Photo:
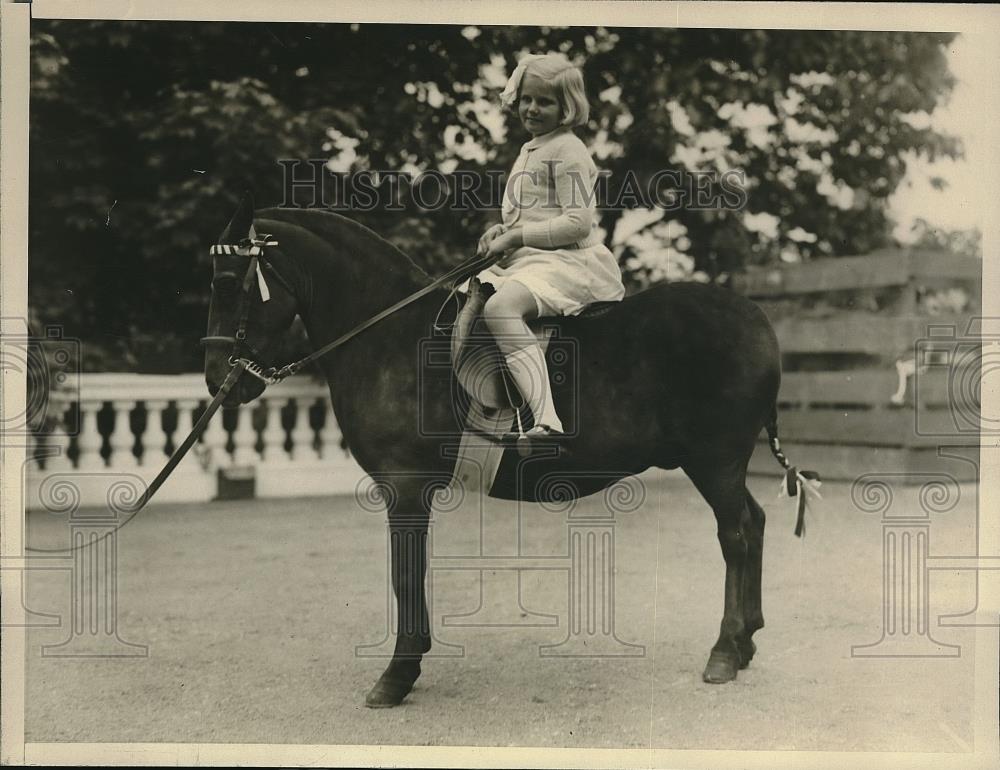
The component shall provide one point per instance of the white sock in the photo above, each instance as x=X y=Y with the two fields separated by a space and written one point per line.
x=531 y=375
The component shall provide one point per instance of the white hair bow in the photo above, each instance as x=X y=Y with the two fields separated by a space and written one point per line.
x=509 y=94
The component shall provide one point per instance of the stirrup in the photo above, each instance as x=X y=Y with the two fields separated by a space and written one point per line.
x=544 y=431
x=523 y=441
x=536 y=432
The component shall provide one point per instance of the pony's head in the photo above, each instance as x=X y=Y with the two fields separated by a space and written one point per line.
x=252 y=305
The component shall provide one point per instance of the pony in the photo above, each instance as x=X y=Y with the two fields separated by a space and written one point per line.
x=681 y=375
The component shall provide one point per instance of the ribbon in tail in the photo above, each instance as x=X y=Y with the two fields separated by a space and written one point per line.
x=804 y=485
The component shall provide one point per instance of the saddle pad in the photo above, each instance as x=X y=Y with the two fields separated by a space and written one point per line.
x=477 y=458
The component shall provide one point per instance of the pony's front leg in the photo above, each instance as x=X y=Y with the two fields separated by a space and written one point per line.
x=408 y=520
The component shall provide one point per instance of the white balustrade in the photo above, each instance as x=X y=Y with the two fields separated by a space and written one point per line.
x=273 y=435
x=185 y=420
x=88 y=442
x=302 y=433
x=215 y=443
x=329 y=435
x=155 y=448
x=303 y=471
x=244 y=438
x=122 y=439
x=58 y=441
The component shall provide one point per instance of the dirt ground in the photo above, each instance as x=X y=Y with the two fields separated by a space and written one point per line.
x=252 y=612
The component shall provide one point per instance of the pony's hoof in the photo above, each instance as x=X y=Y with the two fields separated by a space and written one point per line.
x=394 y=685
x=721 y=668
x=387 y=694
x=747 y=651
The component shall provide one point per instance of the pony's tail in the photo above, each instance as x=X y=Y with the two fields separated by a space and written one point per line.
x=796 y=483
x=772 y=437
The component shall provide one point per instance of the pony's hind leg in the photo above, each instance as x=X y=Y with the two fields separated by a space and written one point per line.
x=408 y=522
x=723 y=487
x=753 y=616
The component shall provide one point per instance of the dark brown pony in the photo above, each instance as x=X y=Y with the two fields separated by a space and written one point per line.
x=681 y=375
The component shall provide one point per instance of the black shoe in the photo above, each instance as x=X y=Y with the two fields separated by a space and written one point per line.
x=535 y=433
x=538 y=434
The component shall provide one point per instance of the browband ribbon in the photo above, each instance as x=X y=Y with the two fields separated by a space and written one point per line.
x=252 y=247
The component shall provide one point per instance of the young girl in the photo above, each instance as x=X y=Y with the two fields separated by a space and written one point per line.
x=554 y=262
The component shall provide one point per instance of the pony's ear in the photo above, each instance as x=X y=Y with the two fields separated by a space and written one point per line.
x=239 y=226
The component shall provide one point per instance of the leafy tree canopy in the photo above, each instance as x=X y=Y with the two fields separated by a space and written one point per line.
x=145 y=134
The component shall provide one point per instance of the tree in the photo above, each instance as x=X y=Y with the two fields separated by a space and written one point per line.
x=961 y=243
x=144 y=135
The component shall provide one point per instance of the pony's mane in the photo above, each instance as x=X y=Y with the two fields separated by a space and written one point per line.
x=328 y=225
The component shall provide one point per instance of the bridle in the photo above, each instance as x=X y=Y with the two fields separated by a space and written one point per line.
x=243 y=352
x=254 y=247
x=243 y=355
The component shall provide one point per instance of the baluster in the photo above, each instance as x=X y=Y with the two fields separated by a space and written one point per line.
x=58 y=461
x=329 y=434
x=274 y=432
x=199 y=454
x=244 y=438
x=154 y=440
x=122 y=438
x=89 y=441
x=185 y=421
x=302 y=433
x=215 y=442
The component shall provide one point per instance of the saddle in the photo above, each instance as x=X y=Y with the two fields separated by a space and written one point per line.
x=494 y=399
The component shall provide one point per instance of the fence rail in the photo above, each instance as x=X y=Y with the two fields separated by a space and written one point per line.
x=932 y=269
x=876 y=376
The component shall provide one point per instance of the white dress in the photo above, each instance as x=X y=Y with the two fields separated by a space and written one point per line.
x=563 y=279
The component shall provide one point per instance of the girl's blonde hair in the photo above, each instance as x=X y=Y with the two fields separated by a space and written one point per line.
x=563 y=75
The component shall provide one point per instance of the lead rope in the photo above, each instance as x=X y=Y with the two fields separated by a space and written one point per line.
x=254 y=248
x=453 y=294
x=176 y=457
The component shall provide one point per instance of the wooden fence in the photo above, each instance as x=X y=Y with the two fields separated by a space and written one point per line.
x=881 y=359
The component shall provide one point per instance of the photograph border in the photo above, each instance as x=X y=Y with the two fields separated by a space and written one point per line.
x=14 y=65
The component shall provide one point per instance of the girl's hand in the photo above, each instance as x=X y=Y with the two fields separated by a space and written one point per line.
x=488 y=237
x=511 y=239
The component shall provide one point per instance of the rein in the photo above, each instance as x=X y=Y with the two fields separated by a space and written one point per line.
x=272 y=375
x=253 y=247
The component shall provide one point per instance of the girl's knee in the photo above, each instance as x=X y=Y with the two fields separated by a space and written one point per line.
x=512 y=302
x=494 y=314
x=499 y=308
